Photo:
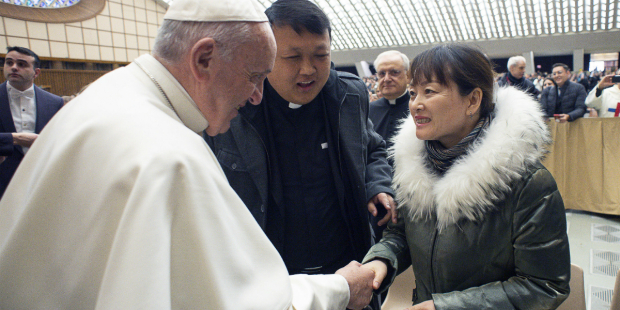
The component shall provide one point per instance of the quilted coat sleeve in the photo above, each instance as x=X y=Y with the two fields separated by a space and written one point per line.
x=541 y=253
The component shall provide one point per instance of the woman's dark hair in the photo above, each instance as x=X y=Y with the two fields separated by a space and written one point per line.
x=466 y=66
x=301 y=15
x=552 y=81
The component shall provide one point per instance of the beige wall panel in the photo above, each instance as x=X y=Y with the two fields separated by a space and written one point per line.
x=74 y=35
x=118 y=39
x=160 y=18
x=76 y=51
x=140 y=3
x=116 y=10
x=152 y=30
x=103 y=23
x=161 y=9
x=59 y=49
x=130 y=27
x=142 y=52
x=127 y=2
x=143 y=43
x=117 y=24
x=92 y=52
x=129 y=12
x=76 y=24
x=37 y=30
x=15 y=41
x=3 y=44
x=151 y=43
x=91 y=36
x=151 y=5
x=16 y=28
x=140 y=15
x=2 y=26
x=105 y=38
x=151 y=17
x=142 y=29
x=90 y=23
x=120 y=54
x=106 y=9
x=57 y=32
x=132 y=54
x=132 y=41
x=107 y=53
x=40 y=47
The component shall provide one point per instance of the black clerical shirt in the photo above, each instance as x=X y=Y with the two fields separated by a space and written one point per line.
x=315 y=235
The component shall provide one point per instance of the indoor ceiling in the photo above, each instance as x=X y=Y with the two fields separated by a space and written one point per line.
x=363 y=24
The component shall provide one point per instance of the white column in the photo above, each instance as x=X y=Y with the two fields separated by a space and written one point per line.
x=577 y=60
x=530 y=66
x=363 y=69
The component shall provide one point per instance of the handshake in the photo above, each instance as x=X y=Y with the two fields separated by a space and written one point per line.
x=362 y=280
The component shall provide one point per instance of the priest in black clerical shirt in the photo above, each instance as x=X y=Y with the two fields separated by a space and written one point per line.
x=387 y=112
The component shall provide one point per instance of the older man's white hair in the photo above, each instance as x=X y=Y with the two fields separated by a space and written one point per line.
x=391 y=53
x=175 y=38
x=514 y=60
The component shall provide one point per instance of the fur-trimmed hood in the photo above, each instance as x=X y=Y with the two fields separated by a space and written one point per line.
x=516 y=138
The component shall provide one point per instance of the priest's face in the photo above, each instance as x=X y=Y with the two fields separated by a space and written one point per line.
x=240 y=80
x=302 y=64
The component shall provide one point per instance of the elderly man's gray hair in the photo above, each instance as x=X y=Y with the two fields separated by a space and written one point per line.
x=389 y=53
x=514 y=60
x=175 y=38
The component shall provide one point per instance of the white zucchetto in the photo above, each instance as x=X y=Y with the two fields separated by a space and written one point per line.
x=216 y=11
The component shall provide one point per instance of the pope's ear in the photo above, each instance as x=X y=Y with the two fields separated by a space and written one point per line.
x=201 y=57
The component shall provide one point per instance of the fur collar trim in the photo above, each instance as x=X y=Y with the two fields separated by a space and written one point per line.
x=516 y=138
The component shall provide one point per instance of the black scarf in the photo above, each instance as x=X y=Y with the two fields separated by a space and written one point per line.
x=441 y=158
x=514 y=81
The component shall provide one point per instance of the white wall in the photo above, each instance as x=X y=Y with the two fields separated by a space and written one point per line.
x=124 y=30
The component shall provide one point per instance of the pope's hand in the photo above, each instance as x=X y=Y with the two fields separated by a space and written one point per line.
x=360 y=284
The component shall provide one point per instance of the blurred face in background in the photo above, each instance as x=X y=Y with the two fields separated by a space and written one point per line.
x=392 y=76
x=560 y=75
x=518 y=69
x=548 y=83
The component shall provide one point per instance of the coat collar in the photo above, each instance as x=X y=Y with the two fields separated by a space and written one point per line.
x=516 y=138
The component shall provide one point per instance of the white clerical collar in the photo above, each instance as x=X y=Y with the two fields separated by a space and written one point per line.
x=182 y=103
x=393 y=101
x=294 y=106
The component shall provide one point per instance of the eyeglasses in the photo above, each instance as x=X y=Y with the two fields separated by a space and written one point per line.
x=394 y=73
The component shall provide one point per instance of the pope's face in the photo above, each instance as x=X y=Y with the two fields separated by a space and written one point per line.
x=302 y=64
x=240 y=80
x=19 y=70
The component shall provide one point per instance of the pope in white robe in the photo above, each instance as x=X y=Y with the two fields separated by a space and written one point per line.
x=120 y=204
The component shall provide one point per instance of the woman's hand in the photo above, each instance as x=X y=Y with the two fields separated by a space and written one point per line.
x=427 y=305
x=380 y=270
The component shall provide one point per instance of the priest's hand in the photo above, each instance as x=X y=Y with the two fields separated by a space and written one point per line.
x=427 y=305
x=24 y=138
x=388 y=203
x=360 y=284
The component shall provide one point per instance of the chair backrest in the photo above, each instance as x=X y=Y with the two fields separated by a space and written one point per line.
x=400 y=292
x=615 y=298
x=577 y=298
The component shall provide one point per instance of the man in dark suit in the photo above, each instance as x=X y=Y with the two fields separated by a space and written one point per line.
x=385 y=113
x=567 y=100
x=24 y=109
x=306 y=161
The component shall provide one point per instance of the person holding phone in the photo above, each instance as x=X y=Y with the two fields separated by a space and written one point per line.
x=605 y=97
x=566 y=99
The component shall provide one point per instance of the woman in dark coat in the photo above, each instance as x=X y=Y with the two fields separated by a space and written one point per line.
x=481 y=220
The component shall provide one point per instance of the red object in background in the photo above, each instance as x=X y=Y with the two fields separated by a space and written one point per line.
x=617 y=110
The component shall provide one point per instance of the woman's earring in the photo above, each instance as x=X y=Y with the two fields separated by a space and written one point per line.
x=471 y=114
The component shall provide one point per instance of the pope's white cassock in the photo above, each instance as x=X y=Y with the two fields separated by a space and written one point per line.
x=120 y=204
